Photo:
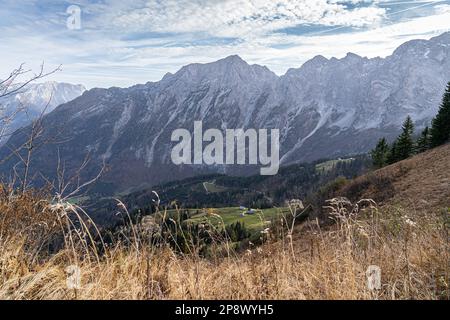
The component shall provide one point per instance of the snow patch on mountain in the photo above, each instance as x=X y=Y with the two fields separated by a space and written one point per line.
x=36 y=99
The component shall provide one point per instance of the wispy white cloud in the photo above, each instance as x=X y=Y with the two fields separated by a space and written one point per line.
x=242 y=18
x=126 y=42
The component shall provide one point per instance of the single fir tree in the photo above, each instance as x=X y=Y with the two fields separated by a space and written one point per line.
x=423 y=143
x=405 y=142
x=440 y=129
x=380 y=154
x=392 y=155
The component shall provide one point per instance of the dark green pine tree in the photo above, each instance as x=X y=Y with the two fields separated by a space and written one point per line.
x=405 y=142
x=392 y=155
x=380 y=154
x=440 y=128
x=423 y=143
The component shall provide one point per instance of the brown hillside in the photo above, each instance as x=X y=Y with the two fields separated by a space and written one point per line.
x=421 y=182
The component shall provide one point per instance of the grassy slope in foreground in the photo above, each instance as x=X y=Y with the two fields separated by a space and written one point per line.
x=420 y=183
x=314 y=263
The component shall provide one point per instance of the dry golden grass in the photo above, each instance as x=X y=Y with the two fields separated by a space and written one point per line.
x=308 y=263
x=421 y=183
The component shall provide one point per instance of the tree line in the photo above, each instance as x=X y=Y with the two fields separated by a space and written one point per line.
x=406 y=145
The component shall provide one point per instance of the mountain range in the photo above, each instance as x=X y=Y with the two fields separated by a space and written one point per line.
x=36 y=99
x=327 y=108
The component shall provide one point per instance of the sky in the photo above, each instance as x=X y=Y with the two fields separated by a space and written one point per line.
x=106 y=43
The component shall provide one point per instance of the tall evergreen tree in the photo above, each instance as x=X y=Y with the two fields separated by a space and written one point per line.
x=423 y=143
x=405 y=142
x=392 y=155
x=380 y=153
x=440 y=128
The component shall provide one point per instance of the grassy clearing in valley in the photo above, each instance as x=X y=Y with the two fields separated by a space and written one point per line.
x=329 y=165
x=253 y=222
x=211 y=187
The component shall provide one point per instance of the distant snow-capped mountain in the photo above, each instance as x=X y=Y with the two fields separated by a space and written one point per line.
x=326 y=108
x=35 y=99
